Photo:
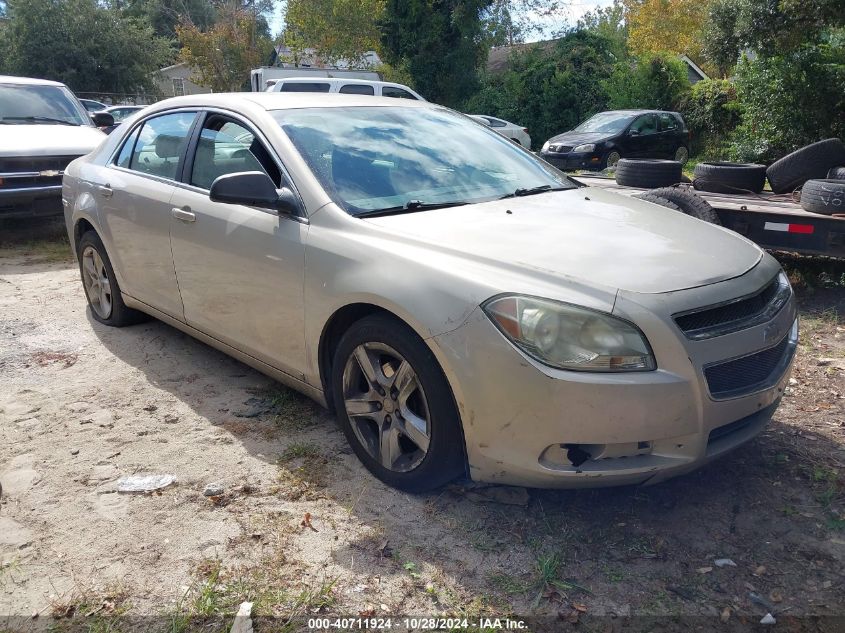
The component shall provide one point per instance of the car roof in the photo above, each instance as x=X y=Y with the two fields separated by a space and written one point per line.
x=633 y=112
x=324 y=80
x=285 y=101
x=28 y=81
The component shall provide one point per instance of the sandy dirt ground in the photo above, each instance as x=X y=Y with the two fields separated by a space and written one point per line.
x=302 y=530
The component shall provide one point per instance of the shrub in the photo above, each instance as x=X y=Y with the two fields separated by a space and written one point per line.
x=789 y=101
x=711 y=111
x=656 y=80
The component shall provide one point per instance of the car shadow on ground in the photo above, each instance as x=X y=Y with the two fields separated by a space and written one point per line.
x=646 y=550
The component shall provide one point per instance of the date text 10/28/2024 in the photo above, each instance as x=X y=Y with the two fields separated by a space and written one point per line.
x=414 y=624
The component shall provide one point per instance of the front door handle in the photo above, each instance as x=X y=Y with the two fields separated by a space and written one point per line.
x=185 y=215
x=105 y=191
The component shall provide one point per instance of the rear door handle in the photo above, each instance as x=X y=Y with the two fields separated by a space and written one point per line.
x=185 y=215
x=105 y=191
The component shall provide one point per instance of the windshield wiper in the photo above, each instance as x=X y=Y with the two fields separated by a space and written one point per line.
x=532 y=190
x=411 y=205
x=38 y=119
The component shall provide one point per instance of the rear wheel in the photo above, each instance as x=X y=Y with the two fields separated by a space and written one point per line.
x=395 y=406
x=100 y=283
x=682 y=154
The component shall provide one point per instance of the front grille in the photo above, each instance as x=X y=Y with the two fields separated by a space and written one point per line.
x=735 y=315
x=18 y=172
x=749 y=373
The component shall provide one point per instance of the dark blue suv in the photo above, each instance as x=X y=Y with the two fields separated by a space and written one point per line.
x=604 y=138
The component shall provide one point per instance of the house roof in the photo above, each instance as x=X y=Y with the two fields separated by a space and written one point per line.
x=695 y=68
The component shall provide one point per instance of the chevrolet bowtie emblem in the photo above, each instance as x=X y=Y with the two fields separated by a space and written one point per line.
x=50 y=173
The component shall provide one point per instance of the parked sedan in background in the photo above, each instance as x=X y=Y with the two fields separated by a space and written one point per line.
x=514 y=132
x=462 y=306
x=600 y=141
x=120 y=113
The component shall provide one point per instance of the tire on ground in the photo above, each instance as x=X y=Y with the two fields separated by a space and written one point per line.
x=685 y=201
x=836 y=173
x=663 y=202
x=825 y=196
x=648 y=173
x=445 y=459
x=121 y=315
x=721 y=177
x=813 y=161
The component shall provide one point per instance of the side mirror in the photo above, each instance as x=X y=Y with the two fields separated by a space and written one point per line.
x=634 y=133
x=102 y=119
x=255 y=189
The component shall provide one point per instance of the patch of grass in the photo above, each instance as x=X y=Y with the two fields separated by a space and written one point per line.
x=90 y=610
x=42 y=251
x=303 y=471
x=299 y=450
x=836 y=524
x=812 y=273
x=508 y=584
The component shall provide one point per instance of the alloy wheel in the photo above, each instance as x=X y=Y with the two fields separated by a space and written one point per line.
x=612 y=159
x=386 y=406
x=682 y=154
x=96 y=282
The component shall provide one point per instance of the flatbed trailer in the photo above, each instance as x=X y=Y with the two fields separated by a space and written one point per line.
x=773 y=221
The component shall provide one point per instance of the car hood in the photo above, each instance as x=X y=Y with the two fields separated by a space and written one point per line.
x=579 y=138
x=593 y=235
x=48 y=140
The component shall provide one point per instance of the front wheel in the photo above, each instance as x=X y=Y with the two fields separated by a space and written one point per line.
x=612 y=159
x=682 y=154
x=395 y=406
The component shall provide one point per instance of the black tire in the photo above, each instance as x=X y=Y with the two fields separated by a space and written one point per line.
x=812 y=161
x=686 y=201
x=120 y=315
x=648 y=173
x=825 y=196
x=729 y=177
x=444 y=460
x=836 y=173
x=663 y=202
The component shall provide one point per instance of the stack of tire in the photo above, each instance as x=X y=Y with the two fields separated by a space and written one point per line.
x=817 y=169
x=729 y=177
x=648 y=173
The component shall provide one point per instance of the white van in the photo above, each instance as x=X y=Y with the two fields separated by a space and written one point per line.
x=344 y=86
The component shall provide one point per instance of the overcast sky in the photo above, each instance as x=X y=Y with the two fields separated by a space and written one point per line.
x=574 y=10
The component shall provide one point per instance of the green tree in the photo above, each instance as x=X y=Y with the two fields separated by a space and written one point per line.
x=164 y=15
x=656 y=81
x=336 y=29
x=608 y=22
x=711 y=111
x=789 y=101
x=768 y=27
x=89 y=47
x=440 y=42
x=222 y=56
x=549 y=89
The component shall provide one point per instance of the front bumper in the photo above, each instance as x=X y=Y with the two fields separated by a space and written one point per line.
x=521 y=419
x=572 y=161
x=26 y=202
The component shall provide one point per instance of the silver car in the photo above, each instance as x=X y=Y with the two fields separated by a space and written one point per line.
x=461 y=305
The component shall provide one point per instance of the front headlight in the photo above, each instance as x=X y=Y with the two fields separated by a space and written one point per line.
x=588 y=147
x=569 y=337
x=545 y=146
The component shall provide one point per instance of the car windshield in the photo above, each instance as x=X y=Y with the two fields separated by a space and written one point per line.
x=372 y=159
x=31 y=104
x=606 y=122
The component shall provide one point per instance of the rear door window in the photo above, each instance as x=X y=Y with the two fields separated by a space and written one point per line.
x=161 y=143
x=398 y=93
x=668 y=122
x=301 y=86
x=357 y=89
